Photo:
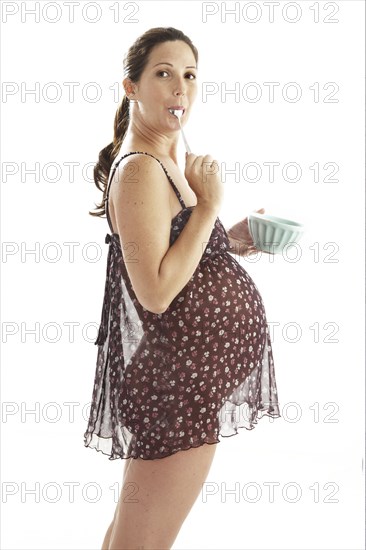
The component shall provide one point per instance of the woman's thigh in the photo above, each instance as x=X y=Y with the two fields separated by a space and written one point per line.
x=157 y=496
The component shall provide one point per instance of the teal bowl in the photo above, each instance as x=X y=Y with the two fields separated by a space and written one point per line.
x=271 y=234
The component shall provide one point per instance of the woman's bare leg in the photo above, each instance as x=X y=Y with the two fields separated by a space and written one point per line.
x=157 y=496
x=105 y=545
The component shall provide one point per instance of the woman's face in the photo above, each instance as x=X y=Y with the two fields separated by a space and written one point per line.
x=168 y=80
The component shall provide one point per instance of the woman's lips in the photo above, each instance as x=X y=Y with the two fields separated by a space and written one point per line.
x=170 y=109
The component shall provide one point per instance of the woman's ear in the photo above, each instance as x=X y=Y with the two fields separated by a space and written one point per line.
x=128 y=86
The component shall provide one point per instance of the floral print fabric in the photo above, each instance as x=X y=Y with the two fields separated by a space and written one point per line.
x=175 y=380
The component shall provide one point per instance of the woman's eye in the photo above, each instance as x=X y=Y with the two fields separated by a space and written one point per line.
x=161 y=72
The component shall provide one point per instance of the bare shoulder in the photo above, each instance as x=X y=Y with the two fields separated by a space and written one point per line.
x=140 y=182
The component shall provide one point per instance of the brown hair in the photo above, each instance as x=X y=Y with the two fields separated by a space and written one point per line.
x=134 y=64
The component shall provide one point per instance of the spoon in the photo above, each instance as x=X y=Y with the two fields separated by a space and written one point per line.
x=178 y=113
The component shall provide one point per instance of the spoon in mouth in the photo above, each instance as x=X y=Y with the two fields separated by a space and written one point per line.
x=178 y=113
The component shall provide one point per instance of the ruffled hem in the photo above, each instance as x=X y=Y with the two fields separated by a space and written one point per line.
x=247 y=403
x=101 y=444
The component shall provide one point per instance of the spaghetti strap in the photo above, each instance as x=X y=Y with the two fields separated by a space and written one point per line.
x=112 y=172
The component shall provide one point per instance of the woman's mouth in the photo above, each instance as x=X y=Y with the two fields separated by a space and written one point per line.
x=172 y=109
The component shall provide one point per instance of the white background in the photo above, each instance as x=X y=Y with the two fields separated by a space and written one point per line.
x=317 y=445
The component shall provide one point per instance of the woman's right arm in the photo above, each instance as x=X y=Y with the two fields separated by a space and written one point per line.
x=141 y=204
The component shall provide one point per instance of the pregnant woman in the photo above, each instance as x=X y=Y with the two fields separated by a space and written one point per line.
x=184 y=352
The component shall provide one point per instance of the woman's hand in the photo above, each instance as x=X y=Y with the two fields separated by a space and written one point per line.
x=240 y=238
x=203 y=176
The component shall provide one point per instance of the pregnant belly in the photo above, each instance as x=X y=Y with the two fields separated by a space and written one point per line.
x=206 y=346
x=220 y=302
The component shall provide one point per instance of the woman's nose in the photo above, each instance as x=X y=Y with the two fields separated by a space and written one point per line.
x=180 y=88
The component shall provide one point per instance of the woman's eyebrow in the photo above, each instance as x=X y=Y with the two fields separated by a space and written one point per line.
x=166 y=63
